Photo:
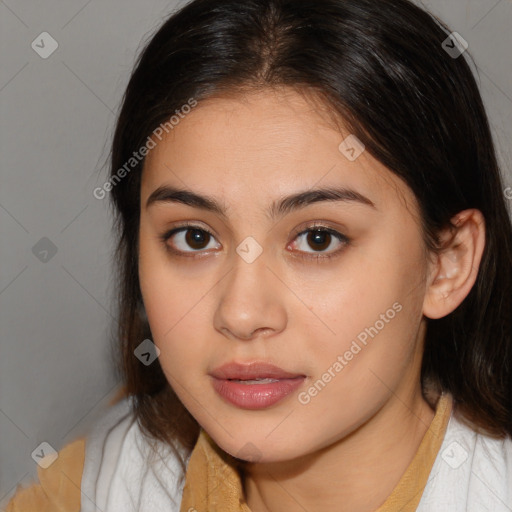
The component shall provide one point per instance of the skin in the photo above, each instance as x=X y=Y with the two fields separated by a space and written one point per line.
x=348 y=447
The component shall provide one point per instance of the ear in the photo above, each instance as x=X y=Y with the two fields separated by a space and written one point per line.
x=454 y=270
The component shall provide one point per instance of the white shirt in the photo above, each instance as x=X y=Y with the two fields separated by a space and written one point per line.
x=472 y=472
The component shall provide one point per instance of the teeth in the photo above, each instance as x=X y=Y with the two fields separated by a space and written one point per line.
x=256 y=381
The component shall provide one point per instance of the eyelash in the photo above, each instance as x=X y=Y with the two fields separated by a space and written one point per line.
x=309 y=256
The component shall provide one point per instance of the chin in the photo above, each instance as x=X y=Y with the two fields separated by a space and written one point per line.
x=253 y=452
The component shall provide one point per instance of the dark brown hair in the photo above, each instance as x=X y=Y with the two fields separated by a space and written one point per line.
x=380 y=66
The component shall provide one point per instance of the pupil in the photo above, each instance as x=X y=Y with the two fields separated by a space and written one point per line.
x=319 y=237
x=196 y=237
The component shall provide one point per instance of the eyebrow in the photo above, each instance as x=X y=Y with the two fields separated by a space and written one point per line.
x=278 y=208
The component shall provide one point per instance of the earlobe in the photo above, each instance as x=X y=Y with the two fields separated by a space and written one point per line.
x=455 y=269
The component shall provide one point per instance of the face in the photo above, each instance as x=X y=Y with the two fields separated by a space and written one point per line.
x=327 y=290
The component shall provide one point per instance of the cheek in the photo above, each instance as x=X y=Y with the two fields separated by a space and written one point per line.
x=178 y=334
x=366 y=286
x=163 y=300
x=369 y=314
x=175 y=303
x=161 y=287
x=369 y=353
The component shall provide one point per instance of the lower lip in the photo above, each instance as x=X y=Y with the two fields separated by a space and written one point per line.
x=255 y=396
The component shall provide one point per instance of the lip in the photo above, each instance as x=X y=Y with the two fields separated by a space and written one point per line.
x=254 y=396
x=252 y=370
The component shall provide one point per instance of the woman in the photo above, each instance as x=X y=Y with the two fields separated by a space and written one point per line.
x=315 y=268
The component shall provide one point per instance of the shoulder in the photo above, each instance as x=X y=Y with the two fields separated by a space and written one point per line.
x=59 y=484
x=115 y=466
x=123 y=468
x=472 y=472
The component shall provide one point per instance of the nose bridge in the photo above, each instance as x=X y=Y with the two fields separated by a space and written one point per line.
x=248 y=300
x=248 y=277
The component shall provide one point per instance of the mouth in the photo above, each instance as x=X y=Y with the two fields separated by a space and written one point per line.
x=254 y=381
x=253 y=371
x=256 y=385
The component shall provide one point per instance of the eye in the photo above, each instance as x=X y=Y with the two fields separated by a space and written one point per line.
x=187 y=236
x=320 y=238
x=198 y=238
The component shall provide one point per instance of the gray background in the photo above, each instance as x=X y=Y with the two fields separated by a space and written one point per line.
x=57 y=116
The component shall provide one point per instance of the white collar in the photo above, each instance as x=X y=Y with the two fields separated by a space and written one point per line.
x=121 y=473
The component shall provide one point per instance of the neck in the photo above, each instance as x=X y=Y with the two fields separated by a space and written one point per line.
x=356 y=473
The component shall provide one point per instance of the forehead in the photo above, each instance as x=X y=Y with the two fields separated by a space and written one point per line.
x=264 y=144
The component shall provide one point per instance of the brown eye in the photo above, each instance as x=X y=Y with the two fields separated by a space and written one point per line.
x=196 y=238
x=187 y=239
x=319 y=239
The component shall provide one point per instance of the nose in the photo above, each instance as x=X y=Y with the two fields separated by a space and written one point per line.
x=251 y=301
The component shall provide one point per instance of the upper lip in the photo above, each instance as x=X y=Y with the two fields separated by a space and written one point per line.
x=252 y=370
